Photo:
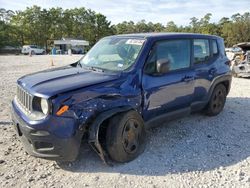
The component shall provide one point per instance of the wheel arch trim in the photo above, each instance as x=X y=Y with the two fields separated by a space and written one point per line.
x=94 y=131
x=220 y=80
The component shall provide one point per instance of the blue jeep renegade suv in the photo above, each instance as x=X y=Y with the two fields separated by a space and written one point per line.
x=123 y=85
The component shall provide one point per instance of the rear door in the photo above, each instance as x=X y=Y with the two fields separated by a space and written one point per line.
x=173 y=90
x=205 y=56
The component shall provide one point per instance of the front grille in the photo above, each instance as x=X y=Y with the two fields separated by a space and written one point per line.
x=24 y=99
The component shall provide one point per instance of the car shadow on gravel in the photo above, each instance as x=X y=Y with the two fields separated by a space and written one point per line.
x=193 y=143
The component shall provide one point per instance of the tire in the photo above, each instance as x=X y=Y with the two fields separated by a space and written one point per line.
x=125 y=137
x=217 y=101
x=43 y=53
x=33 y=53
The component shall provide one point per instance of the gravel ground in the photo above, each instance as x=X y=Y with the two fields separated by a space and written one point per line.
x=195 y=151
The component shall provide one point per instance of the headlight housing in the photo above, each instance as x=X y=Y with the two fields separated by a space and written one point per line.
x=40 y=107
x=34 y=107
x=44 y=106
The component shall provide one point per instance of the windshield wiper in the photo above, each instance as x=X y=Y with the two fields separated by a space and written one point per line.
x=96 y=69
x=91 y=68
x=80 y=64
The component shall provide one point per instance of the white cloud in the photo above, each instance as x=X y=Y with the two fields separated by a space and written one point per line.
x=179 y=11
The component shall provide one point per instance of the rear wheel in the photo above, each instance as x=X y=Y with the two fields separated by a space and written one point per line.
x=125 y=138
x=217 y=101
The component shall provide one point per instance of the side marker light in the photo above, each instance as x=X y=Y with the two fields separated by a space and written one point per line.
x=62 y=110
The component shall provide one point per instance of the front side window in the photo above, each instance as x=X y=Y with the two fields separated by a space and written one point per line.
x=175 y=52
x=114 y=54
x=201 y=51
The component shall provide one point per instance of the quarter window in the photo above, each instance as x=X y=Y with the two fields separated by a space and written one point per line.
x=215 y=47
x=201 y=50
x=177 y=52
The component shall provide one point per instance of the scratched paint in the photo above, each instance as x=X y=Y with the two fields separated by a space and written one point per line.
x=86 y=103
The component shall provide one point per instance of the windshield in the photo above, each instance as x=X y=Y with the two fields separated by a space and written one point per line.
x=115 y=54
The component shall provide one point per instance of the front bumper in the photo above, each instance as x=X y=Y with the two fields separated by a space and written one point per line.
x=44 y=144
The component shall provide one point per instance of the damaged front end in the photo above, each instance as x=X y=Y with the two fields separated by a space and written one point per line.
x=241 y=63
x=241 y=68
x=93 y=106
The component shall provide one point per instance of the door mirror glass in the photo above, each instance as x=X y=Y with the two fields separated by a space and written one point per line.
x=162 y=66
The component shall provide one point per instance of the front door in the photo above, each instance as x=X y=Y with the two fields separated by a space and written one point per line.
x=173 y=90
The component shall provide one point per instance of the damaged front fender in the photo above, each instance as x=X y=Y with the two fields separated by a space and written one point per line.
x=91 y=106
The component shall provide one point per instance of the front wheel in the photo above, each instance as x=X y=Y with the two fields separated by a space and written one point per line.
x=125 y=138
x=217 y=100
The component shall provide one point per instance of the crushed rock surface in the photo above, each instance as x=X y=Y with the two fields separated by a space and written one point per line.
x=194 y=151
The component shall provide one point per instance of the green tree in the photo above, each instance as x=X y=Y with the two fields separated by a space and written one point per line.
x=171 y=27
x=141 y=27
x=194 y=25
x=6 y=29
x=40 y=26
x=125 y=27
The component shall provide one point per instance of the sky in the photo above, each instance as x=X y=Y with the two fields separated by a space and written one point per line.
x=163 y=11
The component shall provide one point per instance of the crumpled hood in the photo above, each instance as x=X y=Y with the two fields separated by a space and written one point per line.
x=55 y=81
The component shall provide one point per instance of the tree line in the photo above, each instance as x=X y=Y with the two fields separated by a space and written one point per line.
x=35 y=25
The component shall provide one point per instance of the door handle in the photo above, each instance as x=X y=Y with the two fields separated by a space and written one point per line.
x=188 y=78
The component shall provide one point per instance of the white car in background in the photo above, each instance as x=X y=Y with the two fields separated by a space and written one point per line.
x=32 y=49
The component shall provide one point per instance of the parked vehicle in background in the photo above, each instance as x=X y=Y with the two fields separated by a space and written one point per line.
x=76 y=50
x=33 y=50
x=241 y=61
x=123 y=85
x=233 y=52
x=10 y=50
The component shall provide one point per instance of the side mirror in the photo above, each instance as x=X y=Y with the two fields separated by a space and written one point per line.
x=162 y=66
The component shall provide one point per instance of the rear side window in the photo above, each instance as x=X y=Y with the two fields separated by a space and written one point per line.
x=215 y=47
x=177 y=52
x=201 y=50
